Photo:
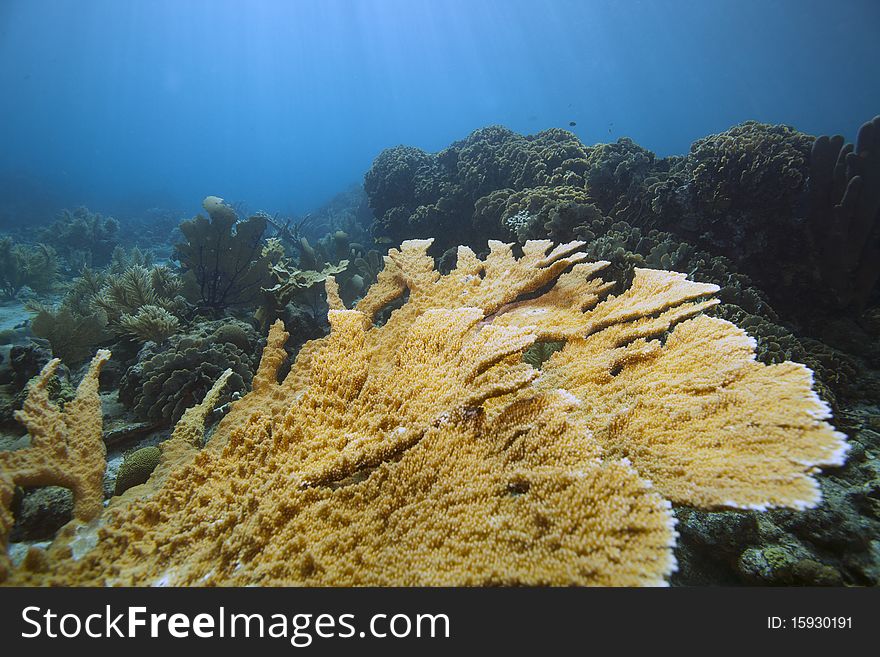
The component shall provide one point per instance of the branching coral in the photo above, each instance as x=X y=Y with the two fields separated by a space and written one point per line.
x=425 y=451
x=142 y=302
x=150 y=323
x=138 y=302
x=299 y=285
x=66 y=448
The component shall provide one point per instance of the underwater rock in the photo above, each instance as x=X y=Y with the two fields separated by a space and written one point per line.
x=41 y=512
x=779 y=566
x=27 y=360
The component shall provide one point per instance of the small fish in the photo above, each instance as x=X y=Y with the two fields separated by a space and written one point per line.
x=383 y=240
x=572 y=123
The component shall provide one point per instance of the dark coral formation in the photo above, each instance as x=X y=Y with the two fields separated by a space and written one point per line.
x=222 y=258
x=747 y=194
x=844 y=219
x=417 y=194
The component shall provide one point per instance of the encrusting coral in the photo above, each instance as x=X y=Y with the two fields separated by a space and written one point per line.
x=424 y=451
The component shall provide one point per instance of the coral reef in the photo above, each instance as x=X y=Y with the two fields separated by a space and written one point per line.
x=136 y=300
x=122 y=260
x=753 y=166
x=747 y=194
x=425 y=451
x=617 y=172
x=82 y=238
x=151 y=323
x=537 y=212
x=73 y=337
x=416 y=194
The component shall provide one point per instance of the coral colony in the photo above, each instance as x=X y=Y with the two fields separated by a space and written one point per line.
x=519 y=361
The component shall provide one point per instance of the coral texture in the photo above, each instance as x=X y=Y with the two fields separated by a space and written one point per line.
x=171 y=377
x=66 y=448
x=425 y=451
x=137 y=468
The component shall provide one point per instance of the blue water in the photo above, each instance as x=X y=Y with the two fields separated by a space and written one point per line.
x=125 y=105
